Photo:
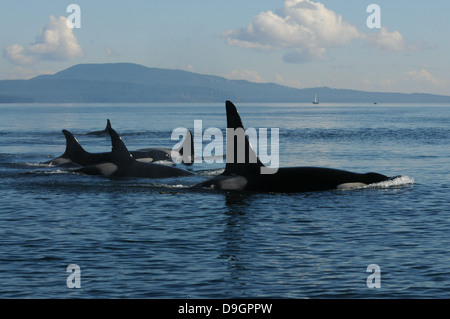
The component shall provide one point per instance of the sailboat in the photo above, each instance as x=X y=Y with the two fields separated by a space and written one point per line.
x=316 y=101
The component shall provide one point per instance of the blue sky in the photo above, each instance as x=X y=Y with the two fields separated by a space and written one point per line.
x=298 y=43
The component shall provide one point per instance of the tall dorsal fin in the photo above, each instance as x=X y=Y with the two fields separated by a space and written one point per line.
x=187 y=149
x=235 y=162
x=74 y=151
x=120 y=153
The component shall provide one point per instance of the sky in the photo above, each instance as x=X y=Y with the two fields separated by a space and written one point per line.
x=298 y=43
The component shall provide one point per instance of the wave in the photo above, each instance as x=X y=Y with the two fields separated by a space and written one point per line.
x=39 y=172
x=429 y=134
x=397 y=181
x=210 y=172
x=394 y=182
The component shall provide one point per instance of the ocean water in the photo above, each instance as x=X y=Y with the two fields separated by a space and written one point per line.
x=147 y=238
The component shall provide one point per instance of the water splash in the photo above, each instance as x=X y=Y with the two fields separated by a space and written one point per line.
x=393 y=182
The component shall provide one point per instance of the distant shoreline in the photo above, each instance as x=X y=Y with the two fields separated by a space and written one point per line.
x=133 y=83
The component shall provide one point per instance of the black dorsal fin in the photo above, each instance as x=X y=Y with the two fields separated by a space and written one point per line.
x=108 y=126
x=120 y=153
x=240 y=160
x=187 y=149
x=74 y=151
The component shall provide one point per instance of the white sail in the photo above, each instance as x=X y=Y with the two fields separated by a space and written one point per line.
x=316 y=100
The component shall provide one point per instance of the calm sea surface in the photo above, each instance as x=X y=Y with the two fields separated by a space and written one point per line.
x=146 y=238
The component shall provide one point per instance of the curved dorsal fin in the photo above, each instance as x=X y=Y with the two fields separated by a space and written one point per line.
x=120 y=153
x=237 y=162
x=74 y=151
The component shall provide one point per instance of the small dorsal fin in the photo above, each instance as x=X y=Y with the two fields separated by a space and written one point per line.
x=235 y=163
x=187 y=149
x=74 y=151
x=120 y=153
x=108 y=125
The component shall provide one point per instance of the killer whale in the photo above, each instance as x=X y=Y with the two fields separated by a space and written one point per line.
x=102 y=132
x=123 y=164
x=185 y=152
x=247 y=176
x=75 y=153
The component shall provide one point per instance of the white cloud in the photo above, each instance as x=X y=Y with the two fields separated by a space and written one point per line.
x=56 y=41
x=421 y=76
x=394 y=41
x=288 y=82
x=16 y=54
x=19 y=73
x=111 y=52
x=387 y=41
x=249 y=75
x=305 y=30
x=422 y=80
x=189 y=68
x=417 y=80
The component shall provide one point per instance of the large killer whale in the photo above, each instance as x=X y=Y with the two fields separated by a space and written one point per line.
x=75 y=153
x=247 y=176
x=123 y=164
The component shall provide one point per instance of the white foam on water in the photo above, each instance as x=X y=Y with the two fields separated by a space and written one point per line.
x=395 y=182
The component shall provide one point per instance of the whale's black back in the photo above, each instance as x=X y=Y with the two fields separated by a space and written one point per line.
x=247 y=175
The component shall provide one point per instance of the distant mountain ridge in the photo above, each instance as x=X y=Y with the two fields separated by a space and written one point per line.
x=128 y=82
